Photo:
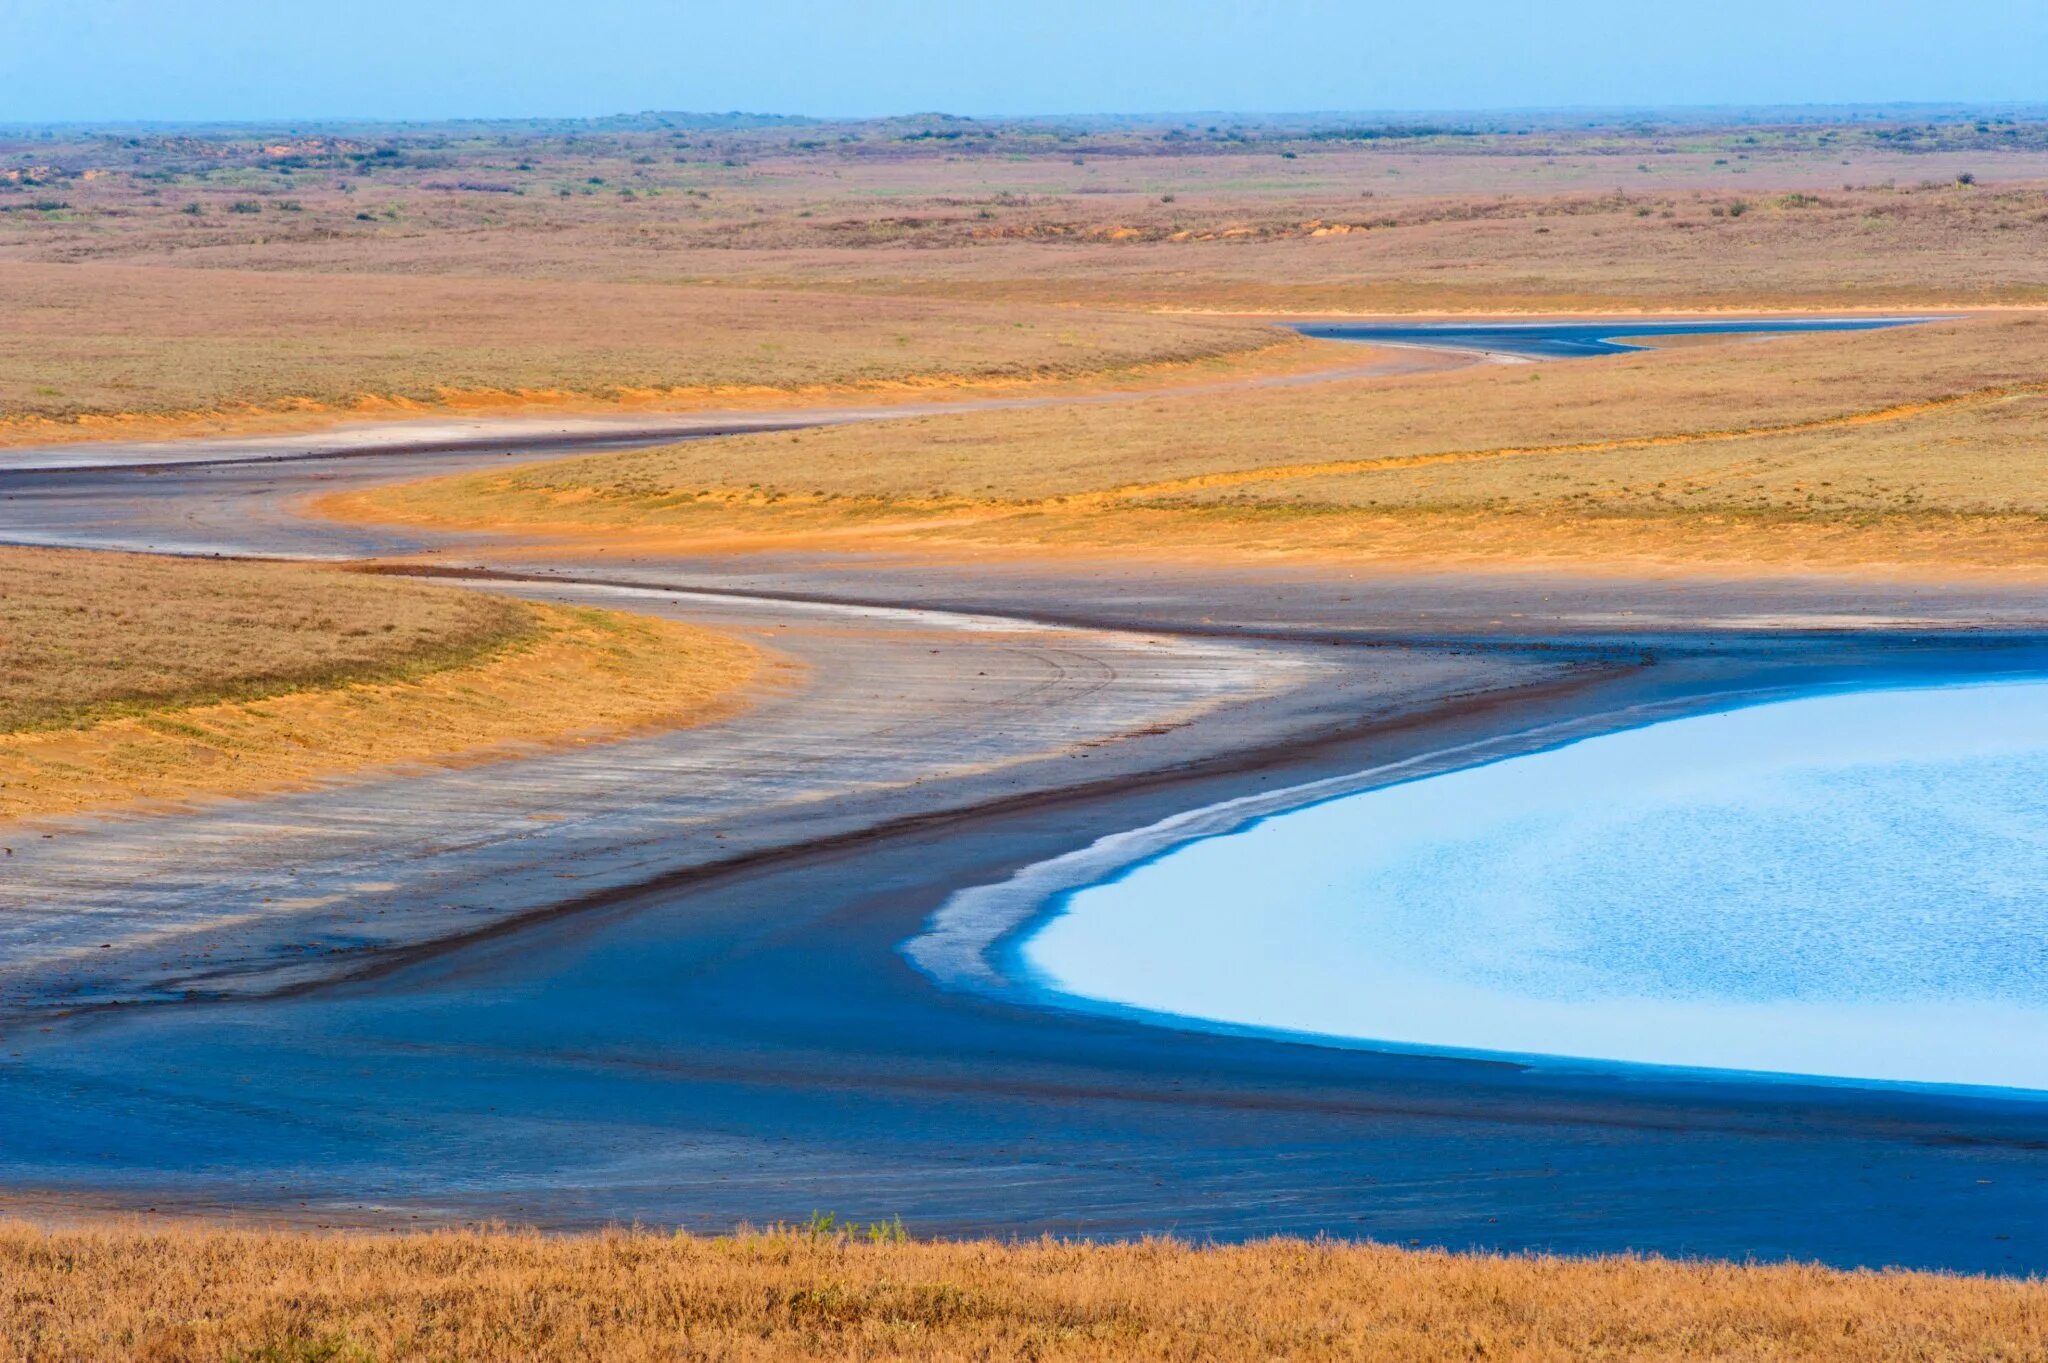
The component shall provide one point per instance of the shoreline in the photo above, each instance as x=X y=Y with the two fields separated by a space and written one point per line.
x=979 y=939
x=1423 y=1091
x=744 y=1042
x=593 y=424
x=570 y=427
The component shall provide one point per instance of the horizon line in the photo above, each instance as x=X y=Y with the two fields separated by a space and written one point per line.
x=1848 y=110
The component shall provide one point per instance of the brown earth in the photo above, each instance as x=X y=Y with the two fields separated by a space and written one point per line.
x=1595 y=216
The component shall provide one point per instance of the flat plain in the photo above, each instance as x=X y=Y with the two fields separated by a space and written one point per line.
x=200 y=273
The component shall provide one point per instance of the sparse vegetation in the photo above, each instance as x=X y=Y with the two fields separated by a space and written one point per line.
x=90 y=636
x=413 y=264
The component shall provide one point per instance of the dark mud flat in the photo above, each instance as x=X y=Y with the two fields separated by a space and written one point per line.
x=741 y=1039
x=750 y=1045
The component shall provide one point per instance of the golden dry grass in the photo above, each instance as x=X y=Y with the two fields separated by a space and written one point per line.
x=87 y=636
x=1921 y=446
x=81 y=345
x=157 y=1295
x=125 y=678
x=319 y=276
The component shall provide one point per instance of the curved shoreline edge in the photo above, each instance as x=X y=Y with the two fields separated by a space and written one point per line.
x=690 y=1006
x=743 y=1039
x=977 y=940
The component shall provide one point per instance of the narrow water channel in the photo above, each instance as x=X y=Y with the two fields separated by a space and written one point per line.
x=1579 y=340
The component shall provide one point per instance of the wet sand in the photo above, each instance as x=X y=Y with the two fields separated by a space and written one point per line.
x=713 y=1021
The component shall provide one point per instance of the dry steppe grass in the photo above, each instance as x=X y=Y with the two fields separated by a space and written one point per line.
x=126 y=678
x=87 y=636
x=234 y=274
x=1641 y=245
x=83 y=343
x=126 y=1292
x=1922 y=446
x=1310 y=218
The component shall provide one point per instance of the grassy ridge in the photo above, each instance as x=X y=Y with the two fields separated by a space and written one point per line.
x=128 y=678
x=1920 y=445
x=87 y=636
x=132 y=1293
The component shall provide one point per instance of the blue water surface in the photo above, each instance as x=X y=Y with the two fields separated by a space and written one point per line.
x=1851 y=885
x=1571 y=340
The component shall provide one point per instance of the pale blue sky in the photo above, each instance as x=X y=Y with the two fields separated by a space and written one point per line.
x=276 y=59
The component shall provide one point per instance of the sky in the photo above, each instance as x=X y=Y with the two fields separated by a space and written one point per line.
x=107 y=60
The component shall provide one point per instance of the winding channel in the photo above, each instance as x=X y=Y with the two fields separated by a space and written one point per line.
x=663 y=980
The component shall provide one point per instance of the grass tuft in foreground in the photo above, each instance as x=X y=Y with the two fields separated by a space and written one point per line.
x=128 y=1292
